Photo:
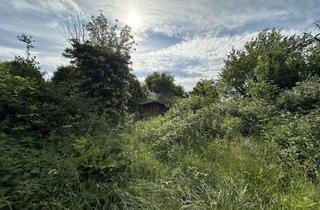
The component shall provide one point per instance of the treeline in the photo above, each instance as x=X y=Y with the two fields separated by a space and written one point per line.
x=249 y=140
x=97 y=89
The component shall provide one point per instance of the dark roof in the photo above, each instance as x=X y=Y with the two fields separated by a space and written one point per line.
x=153 y=102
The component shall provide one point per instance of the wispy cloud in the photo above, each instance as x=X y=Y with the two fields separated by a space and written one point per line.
x=189 y=38
x=42 y=6
x=201 y=57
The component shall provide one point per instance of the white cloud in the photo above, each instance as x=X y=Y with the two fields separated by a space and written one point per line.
x=206 y=29
x=48 y=61
x=46 y=5
x=206 y=26
x=8 y=53
x=201 y=57
x=194 y=59
x=194 y=17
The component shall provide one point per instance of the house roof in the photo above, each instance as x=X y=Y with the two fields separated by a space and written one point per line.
x=153 y=102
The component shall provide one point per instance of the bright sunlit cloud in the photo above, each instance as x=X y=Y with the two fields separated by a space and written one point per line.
x=134 y=20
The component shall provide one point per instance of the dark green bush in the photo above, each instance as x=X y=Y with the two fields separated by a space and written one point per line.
x=87 y=176
x=21 y=101
x=302 y=98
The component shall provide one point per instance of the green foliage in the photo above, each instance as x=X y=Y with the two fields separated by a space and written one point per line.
x=100 y=163
x=302 y=98
x=67 y=76
x=190 y=104
x=28 y=40
x=23 y=174
x=71 y=110
x=163 y=85
x=20 y=103
x=102 y=61
x=86 y=175
x=137 y=94
x=231 y=126
x=192 y=122
x=264 y=91
x=26 y=70
x=298 y=138
x=313 y=60
x=26 y=67
x=205 y=88
x=217 y=174
x=63 y=147
x=270 y=58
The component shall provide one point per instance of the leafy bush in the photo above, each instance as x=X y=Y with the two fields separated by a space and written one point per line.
x=193 y=122
x=298 y=138
x=20 y=104
x=302 y=98
x=100 y=163
x=180 y=128
x=89 y=175
x=263 y=91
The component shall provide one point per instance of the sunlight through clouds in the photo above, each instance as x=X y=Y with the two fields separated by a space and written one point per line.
x=187 y=37
x=134 y=20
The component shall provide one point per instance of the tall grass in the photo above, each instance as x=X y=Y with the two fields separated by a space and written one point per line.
x=197 y=156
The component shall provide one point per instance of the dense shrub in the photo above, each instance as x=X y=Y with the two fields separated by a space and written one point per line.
x=271 y=58
x=298 y=139
x=181 y=128
x=193 y=122
x=87 y=175
x=21 y=104
x=302 y=98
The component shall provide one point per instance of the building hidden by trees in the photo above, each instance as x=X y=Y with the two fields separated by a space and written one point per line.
x=152 y=108
x=161 y=86
x=161 y=92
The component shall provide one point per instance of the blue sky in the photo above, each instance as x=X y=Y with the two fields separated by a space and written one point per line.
x=189 y=38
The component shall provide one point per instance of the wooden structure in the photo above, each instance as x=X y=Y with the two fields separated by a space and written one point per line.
x=152 y=108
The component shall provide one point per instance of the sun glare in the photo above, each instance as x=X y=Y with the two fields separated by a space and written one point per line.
x=134 y=20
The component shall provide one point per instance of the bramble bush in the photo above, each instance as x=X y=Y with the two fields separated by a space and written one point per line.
x=298 y=139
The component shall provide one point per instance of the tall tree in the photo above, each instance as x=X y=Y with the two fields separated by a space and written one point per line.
x=26 y=67
x=23 y=93
x=103 y=62
x=162 y=83
x=205 y=88
x=270 y=58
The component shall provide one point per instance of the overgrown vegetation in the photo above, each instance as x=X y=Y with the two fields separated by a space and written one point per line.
x=249 y=140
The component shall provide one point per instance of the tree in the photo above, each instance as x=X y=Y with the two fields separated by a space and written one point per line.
x=23 y=95
x=67 y=79
x=26 y=67
x=313 y=61
x=65 y=74
x=21 y=102
x=303 y=98
x=317 y=37
x=28 y=40
x=163 y=85
x=205 y=88
x=270 y=58
x=137 y=94
x=103 y=63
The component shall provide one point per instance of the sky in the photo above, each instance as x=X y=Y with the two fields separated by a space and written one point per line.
x=188 y=38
